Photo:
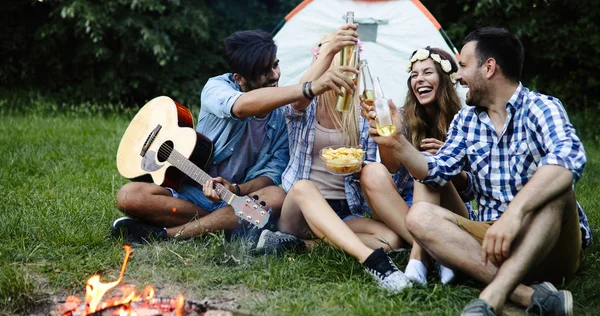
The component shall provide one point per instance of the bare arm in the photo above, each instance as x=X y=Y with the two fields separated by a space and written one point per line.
x=261 y=101
x=245 y=188
x=255 y=185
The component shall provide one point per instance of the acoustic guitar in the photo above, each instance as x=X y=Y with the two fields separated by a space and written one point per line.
x=161 y=145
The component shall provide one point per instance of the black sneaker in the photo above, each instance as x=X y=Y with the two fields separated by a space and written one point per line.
x=277 y=242
x=385 y=272
x=547 y=300
x=136 y=232
x=478 y=307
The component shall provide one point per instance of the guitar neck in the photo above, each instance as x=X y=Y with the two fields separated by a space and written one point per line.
x=197 y=174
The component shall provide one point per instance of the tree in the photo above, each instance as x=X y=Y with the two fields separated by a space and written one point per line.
x=122 y=50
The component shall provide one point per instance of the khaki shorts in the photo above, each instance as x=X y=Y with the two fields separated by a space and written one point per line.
x=561 y=263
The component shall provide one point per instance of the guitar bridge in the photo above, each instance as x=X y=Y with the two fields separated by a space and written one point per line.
x=150 y=139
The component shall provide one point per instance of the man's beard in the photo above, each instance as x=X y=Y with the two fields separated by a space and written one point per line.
x=271 y=83
x=476 y=90
x=253 y=85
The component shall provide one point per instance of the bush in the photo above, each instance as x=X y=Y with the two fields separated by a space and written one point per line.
x=121 y=50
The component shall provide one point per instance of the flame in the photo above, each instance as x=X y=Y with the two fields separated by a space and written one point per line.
x=95 y=291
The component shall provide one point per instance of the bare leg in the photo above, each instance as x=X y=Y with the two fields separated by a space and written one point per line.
x=225 y=218
x=184 y=219
x=305 y=207
x=374 y=234
x=438 y=231
x=448 y=198
x=537 y=238
x=383 y=198
x=155 y=205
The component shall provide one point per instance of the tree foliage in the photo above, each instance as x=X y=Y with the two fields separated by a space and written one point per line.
x=561 y=40
x=122 y=50
x=133 y=50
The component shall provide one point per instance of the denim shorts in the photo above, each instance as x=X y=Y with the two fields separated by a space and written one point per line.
x=341 y=208
x=194 y=194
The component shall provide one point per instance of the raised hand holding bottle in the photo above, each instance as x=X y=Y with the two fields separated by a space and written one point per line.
x=349 y=56
x=384 y=120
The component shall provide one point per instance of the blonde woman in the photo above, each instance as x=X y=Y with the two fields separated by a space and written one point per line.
x=323 y=205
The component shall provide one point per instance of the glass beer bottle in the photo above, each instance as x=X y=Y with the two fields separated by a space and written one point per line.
x=367 y=80
x=348 y=57
x=384 y=121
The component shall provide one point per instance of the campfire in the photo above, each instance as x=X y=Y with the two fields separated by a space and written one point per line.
x=129 y=303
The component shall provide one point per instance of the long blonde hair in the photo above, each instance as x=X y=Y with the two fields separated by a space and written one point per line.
x=418 y=125
x=347 y=122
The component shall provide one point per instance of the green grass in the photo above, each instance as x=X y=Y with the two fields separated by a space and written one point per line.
x=58 y=182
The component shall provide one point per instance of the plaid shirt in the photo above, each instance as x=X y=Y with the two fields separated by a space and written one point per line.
x=537 y=133
x=301 y=132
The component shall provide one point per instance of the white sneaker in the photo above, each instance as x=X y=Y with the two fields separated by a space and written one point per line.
x=385 y=272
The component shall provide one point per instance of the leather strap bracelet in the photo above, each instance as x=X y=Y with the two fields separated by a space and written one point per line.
x=310 y=92
x=304 y=90
x=237 y=189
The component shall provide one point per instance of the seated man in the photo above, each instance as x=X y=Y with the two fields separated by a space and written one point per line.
x=240 y=114
x=524 y=157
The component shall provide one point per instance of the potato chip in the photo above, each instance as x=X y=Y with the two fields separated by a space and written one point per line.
x=343 y=160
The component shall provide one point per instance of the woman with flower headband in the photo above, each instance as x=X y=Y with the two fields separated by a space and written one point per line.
x=431 y=103
x=318 y=203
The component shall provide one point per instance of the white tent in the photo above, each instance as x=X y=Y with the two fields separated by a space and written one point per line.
x=390 y=31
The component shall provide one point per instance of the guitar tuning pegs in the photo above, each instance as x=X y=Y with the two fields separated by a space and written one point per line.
x=263 y=203
x=255 y=197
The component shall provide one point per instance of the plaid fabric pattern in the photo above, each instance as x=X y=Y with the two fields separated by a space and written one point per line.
x=537 y=132
x=301 y=132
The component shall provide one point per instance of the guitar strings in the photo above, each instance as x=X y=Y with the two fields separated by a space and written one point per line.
x=166 y=150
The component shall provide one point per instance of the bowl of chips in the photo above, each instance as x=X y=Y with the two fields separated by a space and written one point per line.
x=342 y=160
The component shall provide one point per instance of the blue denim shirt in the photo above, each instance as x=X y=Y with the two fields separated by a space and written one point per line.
x=225 y=130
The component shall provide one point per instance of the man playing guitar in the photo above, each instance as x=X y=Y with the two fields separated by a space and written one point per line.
x=241 y=115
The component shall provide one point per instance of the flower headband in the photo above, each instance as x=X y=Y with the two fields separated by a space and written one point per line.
x=315 y=50
x=423 y=54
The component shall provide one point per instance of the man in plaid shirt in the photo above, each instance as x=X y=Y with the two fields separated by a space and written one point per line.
x=524 y=158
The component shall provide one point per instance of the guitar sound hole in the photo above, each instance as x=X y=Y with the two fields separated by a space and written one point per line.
x=165 y=151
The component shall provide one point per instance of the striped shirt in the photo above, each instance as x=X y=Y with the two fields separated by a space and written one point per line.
x=537 y=132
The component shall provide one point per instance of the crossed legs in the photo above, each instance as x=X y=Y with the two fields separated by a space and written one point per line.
x=183 y=219
x=440 y=233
